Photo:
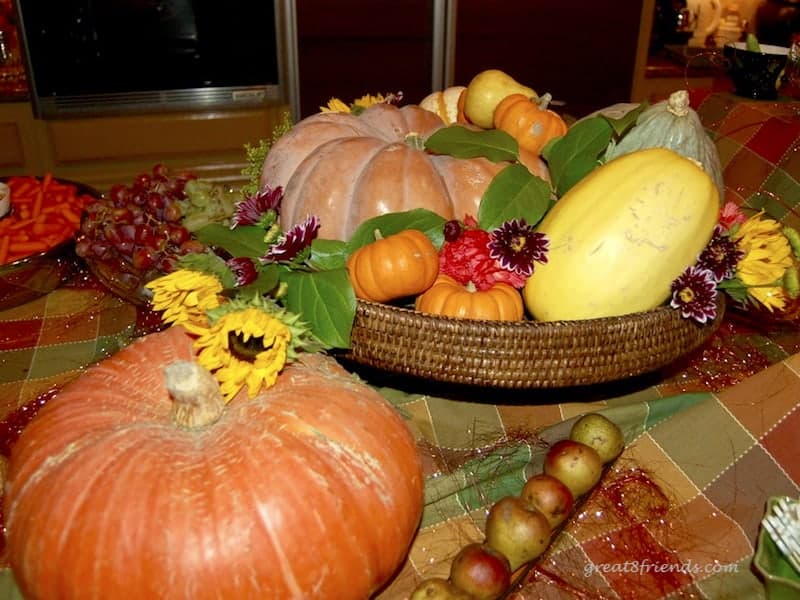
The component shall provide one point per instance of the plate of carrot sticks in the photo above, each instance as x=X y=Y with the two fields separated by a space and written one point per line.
x=39 y=217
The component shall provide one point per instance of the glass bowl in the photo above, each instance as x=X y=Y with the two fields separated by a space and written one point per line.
x=34 y=276
x=756 y=74
x=39 y=274
x=781 y=581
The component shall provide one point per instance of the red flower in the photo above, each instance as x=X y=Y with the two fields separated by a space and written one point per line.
x=517 y=246
x=694 y=294
x=467 y=259
x=243 y=269
x=731 y=214
x=262 y=208
x=294 y=242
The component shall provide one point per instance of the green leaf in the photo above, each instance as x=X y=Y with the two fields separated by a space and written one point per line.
x=514 y=193
x=210 y=263
x=266 y=281
x=327 y=254
x=326 y=301
x=427 y=221
x=574 y=155
x=577 y=169
x=245 y=240
x=458 y=141
x=625 y=123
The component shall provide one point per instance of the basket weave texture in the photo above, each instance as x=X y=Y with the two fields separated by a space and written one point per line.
x=522 y=354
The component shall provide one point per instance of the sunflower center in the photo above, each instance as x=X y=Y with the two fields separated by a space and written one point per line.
x=246 y=350
x=686 y=295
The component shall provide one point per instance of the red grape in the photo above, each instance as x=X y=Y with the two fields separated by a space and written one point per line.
x=138 y=228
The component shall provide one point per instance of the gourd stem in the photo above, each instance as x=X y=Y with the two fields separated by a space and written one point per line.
x=544 y=100
x=678 y=103
x=196 y=398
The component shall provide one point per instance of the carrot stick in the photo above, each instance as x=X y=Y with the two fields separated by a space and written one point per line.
x=37 y=203
x=27 y=247
x=5 y=242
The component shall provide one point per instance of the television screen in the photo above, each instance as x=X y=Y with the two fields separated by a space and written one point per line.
x=101 y=56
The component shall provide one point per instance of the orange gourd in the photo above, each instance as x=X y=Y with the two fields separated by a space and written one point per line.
x=529 y=121
x=347 y=168
x=403 y=264
x=312 y=489
x=447 y=297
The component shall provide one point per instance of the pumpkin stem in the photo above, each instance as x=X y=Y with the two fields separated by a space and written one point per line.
x=678 y=103
x=415 y=141
x=196 y=398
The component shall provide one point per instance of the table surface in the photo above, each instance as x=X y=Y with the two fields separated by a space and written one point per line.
x=709 y=438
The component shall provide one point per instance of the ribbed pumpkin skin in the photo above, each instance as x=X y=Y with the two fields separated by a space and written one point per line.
x=403 y=264
x=311 y=490
x=621 y=236
x=447 y=297
x=346 y=169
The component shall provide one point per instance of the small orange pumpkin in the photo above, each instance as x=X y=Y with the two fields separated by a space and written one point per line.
x=529 y=121
x=399 y=265
x=447 y=297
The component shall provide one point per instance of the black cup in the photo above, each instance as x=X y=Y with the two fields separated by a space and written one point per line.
x=756 y=74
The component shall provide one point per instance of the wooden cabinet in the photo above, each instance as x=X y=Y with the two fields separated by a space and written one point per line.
x=101 y=151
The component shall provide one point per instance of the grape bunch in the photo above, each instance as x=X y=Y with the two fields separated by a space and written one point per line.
x=139 y=227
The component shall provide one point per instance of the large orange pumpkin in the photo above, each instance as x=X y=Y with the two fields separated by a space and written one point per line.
x=313 y=489
x=346 y=169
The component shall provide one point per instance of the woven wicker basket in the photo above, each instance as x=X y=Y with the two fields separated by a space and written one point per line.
x=522 y=354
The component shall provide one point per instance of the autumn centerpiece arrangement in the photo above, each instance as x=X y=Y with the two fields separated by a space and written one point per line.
x=220 y=450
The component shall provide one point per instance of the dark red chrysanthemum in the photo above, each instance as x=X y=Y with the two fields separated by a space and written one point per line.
x=260 y=209
x=243 y=269
x=517 y=246
x=694 y=294
x=720 y=256
x=293 y=242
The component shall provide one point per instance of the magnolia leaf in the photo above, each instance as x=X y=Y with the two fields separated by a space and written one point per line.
x=625 y=123
x=427 y=221
x=514 y=193
x=578 y=168
x=574 y=155
x=266 y=281
x=327 y=254
x=210 y=263
x=325 y=301
x=458 y=141
x=244 y=240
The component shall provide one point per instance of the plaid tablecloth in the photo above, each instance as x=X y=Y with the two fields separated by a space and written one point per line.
x=710 y=438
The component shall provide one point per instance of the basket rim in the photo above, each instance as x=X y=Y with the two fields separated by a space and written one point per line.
x=525 y=353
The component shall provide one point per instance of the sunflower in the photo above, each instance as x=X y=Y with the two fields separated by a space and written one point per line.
x=360 y=104
x=766 y=257
x=244 y=347
x=185 y=296
x=249 y=341
x=335 y=105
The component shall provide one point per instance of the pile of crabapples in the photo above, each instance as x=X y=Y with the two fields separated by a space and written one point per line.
x=520 y=528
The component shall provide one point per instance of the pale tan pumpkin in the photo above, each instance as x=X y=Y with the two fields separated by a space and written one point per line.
x=346 y=169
